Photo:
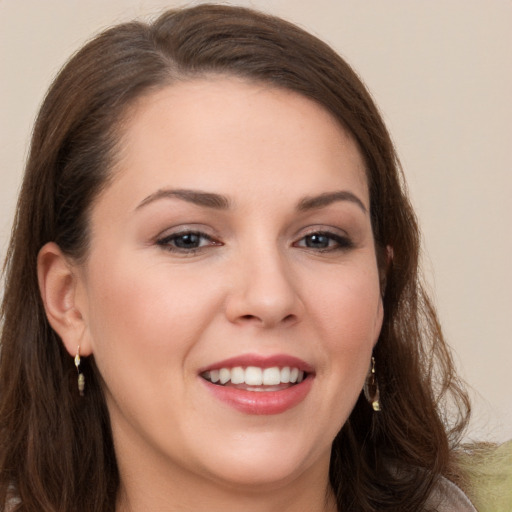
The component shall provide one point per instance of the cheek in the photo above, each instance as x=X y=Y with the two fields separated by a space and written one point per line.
x=348 y=315
x=144 y=317
x=349 y=309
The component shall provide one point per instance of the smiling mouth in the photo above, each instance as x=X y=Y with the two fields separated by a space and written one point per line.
x=253 y=378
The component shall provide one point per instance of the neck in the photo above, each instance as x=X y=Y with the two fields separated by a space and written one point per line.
x=216 y=499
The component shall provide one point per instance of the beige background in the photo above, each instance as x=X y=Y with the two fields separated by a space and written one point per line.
x=441 y=73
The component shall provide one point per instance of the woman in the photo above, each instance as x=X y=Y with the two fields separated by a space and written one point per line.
x=212 y=293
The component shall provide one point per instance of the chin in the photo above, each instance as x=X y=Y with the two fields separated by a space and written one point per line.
x=259 y=475
x=267 y=465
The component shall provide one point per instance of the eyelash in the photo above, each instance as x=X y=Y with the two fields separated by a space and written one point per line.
x=168 y=242
x=342 y=243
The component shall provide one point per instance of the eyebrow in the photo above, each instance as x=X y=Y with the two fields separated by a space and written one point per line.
x=323 y=200
x=207 y=199
x=220 y=202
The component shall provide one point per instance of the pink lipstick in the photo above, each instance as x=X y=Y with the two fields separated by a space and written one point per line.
x=255 y=384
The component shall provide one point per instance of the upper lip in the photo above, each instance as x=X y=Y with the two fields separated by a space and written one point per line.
x=260 y=361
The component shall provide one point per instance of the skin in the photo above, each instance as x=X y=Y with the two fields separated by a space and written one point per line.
x=153 y=315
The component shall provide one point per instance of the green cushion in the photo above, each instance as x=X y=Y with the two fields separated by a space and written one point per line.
x=488 y=470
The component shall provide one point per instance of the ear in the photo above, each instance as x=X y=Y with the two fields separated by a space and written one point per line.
x=389 y=256
x=385 y=261
x=379 y=319
x=58 y=282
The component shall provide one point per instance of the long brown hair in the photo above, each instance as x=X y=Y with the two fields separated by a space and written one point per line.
x=56 y=451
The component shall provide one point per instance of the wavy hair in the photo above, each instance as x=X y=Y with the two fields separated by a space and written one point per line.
x=56 y=450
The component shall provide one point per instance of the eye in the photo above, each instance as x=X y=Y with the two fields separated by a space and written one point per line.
x=324 y=241
x=186 y=241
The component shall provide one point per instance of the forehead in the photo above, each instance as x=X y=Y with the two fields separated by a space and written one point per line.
x=207 y=133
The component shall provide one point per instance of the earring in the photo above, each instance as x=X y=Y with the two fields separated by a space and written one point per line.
x=81 y=376
x=371 y=388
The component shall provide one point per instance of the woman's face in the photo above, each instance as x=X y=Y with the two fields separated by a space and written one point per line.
x=234 y=242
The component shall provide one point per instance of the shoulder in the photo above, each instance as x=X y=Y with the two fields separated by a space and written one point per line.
x=11 y=504
x=11 y=500
x=447 y=497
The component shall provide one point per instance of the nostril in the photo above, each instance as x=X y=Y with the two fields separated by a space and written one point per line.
x=289 y=318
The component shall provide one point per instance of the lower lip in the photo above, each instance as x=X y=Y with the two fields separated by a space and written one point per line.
x=261 y=402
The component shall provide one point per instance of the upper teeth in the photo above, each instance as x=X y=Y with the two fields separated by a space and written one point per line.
x=254 y=376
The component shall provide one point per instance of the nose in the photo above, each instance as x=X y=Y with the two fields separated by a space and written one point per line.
x=264 y=291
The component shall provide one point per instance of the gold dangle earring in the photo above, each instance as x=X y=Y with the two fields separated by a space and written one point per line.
x=81 y=376
x=371 y=388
